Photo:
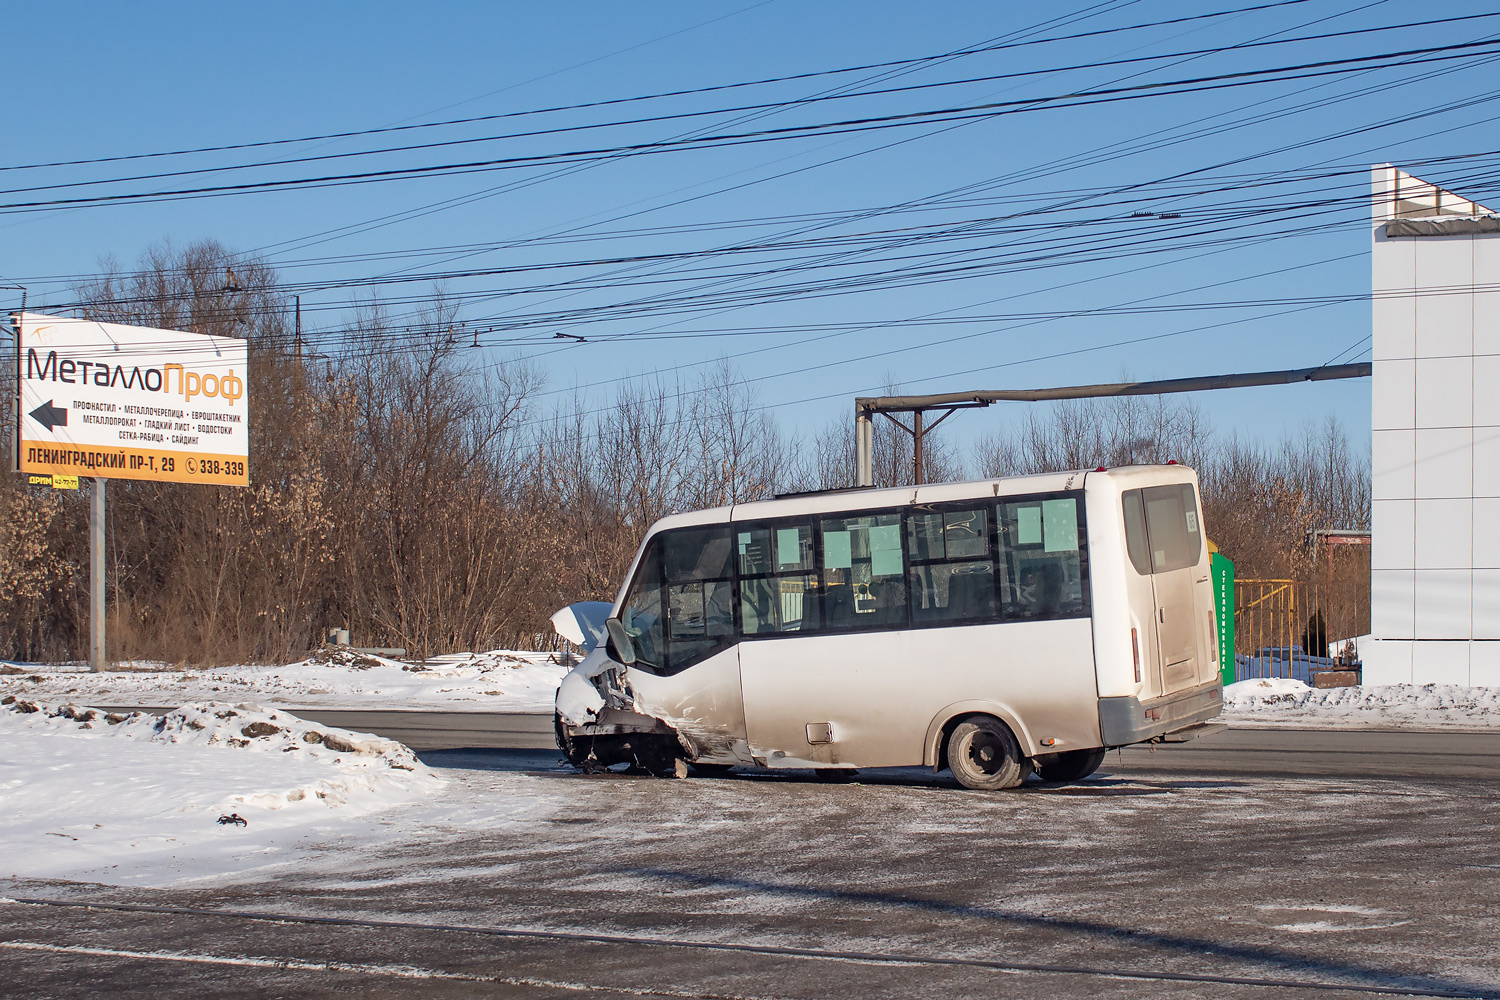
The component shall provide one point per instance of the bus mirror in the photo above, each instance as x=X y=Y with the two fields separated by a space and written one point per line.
x=624 y=646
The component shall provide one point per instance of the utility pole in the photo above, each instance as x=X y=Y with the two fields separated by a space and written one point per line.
x=298 y=299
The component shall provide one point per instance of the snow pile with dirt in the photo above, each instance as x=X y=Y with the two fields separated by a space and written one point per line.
x=500 y=680
x=207 y=788
x=1283 y=702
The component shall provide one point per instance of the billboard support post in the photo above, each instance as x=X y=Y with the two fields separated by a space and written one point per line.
x=96 y=577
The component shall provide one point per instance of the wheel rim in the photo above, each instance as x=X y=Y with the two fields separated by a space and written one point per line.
x=986 y=753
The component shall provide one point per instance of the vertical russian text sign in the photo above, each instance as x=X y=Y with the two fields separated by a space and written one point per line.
x=130 y=402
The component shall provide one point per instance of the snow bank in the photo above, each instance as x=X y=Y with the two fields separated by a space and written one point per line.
x=208 y=788
x=1283 y=701
x=497 y=681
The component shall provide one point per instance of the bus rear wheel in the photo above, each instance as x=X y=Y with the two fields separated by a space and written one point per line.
x=983 y=754
x=1071 y=765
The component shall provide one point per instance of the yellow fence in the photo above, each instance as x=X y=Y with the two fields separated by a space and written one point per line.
x=1269 y=614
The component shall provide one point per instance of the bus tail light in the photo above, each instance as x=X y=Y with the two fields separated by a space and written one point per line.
x=1135 y=653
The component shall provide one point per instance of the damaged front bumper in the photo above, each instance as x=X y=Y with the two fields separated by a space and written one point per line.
x=597 y=726
x=619 y=736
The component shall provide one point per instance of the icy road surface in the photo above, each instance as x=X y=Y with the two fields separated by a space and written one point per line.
x=1139 y=871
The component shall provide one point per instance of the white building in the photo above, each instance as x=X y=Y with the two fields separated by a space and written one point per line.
x=1435 y=577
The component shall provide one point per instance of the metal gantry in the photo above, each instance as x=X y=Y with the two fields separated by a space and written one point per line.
x=866 y=407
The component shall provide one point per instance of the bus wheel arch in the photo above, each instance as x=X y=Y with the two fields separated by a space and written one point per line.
x=984 y=754
x=940 y=730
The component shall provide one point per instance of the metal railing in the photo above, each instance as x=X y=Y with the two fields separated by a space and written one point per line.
x=1269 y=619
x=1274 y=622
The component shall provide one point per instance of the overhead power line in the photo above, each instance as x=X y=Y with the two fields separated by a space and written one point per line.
x=693 y=91
x=841 y=95
x=1281 y=74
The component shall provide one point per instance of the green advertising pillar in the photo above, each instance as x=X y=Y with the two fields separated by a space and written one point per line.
x=1222 y=572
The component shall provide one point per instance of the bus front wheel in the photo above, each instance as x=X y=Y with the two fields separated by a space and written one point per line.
x=1071 y=765
x=983 y=754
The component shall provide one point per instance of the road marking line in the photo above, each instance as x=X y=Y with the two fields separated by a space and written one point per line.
x=399 y=971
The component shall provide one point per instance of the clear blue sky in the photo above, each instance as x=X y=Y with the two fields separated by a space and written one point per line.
x=1262 y=184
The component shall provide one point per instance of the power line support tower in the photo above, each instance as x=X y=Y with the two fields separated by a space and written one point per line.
x=865 y=407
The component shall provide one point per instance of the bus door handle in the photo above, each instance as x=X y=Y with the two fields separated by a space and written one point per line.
x=1161 y=615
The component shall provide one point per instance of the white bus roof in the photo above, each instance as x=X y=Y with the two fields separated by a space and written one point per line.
x=830 y=501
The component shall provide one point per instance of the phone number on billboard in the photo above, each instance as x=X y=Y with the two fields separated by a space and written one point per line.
x=213 y=467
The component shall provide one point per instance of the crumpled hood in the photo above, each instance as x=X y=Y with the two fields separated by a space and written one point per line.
x=582 y=624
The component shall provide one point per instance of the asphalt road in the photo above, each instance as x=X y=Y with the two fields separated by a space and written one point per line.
x=1154 y=878
x=1269 y=752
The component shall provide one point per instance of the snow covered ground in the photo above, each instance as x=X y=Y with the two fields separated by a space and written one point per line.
x=1286 y=703
x=209 y=789
x=497 y=681
x=518 y=681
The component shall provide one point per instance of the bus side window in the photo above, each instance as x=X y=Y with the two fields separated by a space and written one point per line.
x=951 y=575
x=1043 y=559
x=778 y=589
x=864 y=572
x=699 y=589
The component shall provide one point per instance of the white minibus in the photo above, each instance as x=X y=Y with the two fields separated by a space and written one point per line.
x=994 y=628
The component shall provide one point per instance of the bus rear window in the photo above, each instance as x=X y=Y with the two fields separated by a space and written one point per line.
x=1161 y=528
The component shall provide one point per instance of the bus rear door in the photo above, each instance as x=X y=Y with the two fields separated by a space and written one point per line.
x=1166 y=541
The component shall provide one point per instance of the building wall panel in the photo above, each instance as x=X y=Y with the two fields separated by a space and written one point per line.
x=1487 y=295
x=1392 y=593
x=1486 y=533
x=1393 y=465
x=1443 y=604
x=1445 y=463
x=1444 y=534
x=1445 y=392
x=1487 y=389
x=1386 y=661
x=1393 y=537
x=1440 y=662
x=1487 y=461
x=1393 y=395
x=1444 y=306
x=1484 y=664
x=1486 y=604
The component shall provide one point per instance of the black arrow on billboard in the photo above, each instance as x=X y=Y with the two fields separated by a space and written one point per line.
x=50 y=416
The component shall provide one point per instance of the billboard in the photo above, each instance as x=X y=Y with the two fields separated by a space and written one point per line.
x=130 y=402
